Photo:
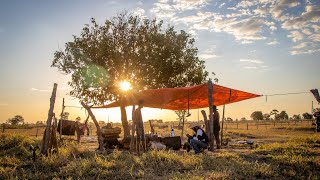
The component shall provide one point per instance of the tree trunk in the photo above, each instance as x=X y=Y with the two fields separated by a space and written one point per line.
x=124 y=119
x=99 y=134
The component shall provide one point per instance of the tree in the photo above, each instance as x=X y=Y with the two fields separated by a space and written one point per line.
x=266 y=116
x=283 y=115
x=296 y=116
x=181 y=115
x=229 y=119
x=307 y=115
x=16 y=120
x=128 y=48
x=275 y=113
x=243 y=119
x=257 y=115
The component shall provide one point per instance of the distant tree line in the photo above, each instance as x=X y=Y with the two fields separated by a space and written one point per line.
x=275 y=115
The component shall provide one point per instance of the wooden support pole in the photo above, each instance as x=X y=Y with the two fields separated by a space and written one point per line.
x=151 y=127
x=206 y=122
x=143 y=138
x=183 y=117
x=210 y=104
x=99 y=133
x=138 y=141
x=222 y=124
x=61 y=118
x=133 y=128
x=45 y=142
x=247 y=126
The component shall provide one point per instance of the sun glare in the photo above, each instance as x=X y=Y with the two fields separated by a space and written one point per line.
x=125 y=86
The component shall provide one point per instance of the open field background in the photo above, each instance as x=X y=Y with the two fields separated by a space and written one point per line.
x=287 y=151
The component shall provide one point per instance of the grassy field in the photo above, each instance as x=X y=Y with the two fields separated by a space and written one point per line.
x=279 y=153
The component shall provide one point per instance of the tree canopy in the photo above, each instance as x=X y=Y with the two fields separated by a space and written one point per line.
x=257 y=115
x=128 y=48
x=16 y=120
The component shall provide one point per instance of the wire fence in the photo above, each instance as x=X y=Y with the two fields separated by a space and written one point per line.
x=250 y=124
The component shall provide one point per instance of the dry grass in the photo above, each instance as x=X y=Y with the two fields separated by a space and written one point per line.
x=279 y=154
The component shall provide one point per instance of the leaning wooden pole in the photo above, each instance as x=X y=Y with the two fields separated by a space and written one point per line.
x=206 y=122
x=99 y=133
x=222 y=124
x=46 y=138
x=211 y=124
x=61 y=118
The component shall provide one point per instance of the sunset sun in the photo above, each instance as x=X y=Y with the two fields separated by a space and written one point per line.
x=125 y=86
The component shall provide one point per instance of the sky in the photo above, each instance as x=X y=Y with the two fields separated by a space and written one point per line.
x=259 y=46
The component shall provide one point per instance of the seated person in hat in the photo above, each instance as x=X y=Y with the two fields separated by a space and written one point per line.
x=199 y=141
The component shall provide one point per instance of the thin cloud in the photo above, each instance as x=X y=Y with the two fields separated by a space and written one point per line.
x=39 y=90
x=4 y=104
x=255 y=61
x=274 y=42
x=295 y=36
x=250 y=67
x=208 y=56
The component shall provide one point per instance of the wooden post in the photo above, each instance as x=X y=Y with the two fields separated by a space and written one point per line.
x=247 y=126
x=61 y=119
x=210 y=104
x=3 y=127
x=206 y=122
x=237 y=124
x=37 y=130
x=138 y=138
x=133 y=127
x=45 y=142
x=182 y=126
x=222 y=124
x=151 y=127
x=99 y=133
x=143 y=137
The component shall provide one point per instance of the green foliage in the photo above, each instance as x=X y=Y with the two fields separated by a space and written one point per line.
x=257 y=115
x=16 y=120
x=307 y=115
x=283 y=115
x=128 y=48
x=296 y=116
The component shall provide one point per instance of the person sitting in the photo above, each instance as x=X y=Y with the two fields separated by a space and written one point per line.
x=199 y=141
x=172 y=134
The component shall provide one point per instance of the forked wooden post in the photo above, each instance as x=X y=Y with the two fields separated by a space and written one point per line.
x=99 y=133
x=211 y=124
x=151 y=127
x=45 y=142
x=206 y=122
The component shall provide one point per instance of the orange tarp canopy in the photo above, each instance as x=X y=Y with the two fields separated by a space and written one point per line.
x=192 y=97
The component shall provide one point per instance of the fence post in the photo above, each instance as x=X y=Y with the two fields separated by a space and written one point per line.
x=46 y=137
x=247 y=126
x=237 y=124
x=3 y=127
x=274 y=123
